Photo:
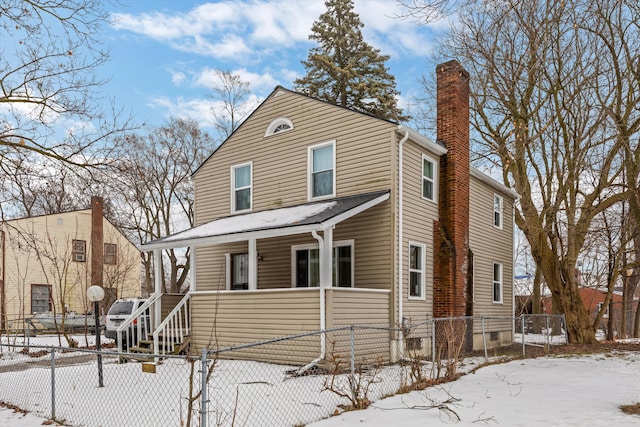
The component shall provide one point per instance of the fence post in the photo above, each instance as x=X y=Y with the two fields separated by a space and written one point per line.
x=522 y=332
x=433 y=341
x=353 y=362
x=53 y=384
x=203 y=388
x=566 y=332
x=484 y=340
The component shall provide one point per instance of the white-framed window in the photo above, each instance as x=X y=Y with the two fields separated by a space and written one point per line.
x=110 y=253
x=305 y=265
x=237 y=271
x=497 y=282
x=322 y=170
x=281 y=124
x=241 y=179
x=429 y=181
x=79 y=250
x=497 y=211
x=417 y=270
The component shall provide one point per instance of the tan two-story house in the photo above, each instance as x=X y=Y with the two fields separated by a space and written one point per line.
x=48 y=262
x=312 y=216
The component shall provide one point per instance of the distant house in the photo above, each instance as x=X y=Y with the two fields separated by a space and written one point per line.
x=313 y=216
x=49 y=261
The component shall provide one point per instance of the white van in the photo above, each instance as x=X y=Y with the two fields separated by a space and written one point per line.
x=119 y=312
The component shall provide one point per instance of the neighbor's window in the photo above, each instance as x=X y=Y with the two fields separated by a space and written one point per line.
x=307 y=265
x=497 y=211
x=322 y=178
x=241 y=184
x=497 y=282
x=239 y=271
x=110 y=253
x=416 y=270
x=79 y=250
x=40 y=298
x=428 y=178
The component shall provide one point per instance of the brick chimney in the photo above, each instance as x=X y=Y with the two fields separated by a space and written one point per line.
x=97 y=240
x=451 y=231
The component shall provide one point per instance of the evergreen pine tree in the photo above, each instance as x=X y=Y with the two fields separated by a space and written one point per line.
x=344 y=69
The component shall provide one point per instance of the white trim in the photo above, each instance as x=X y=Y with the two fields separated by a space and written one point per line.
x=499 y=212
x=272 y=290
x=271 y=129
x=434 y=179
x=423 y=141
x=253 y=265
x=500 y=281
x=423 y=270
x=338 y=243
x=234 y=189
x=310 y=150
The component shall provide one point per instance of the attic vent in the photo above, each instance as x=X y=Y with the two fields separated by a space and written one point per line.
x=281 y=124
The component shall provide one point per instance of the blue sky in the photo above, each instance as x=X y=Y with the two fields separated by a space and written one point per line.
x=163 y=53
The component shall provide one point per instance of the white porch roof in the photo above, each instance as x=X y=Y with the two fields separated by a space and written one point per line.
x=298 y=219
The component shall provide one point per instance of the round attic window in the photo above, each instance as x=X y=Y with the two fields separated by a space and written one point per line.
x=280 y=124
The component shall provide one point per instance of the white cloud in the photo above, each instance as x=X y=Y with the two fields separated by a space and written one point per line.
x=207 y=78
x=178 y=78
x=198 y=109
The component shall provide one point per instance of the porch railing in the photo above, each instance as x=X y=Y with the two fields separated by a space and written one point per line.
x=138 y=326
x=174 y=329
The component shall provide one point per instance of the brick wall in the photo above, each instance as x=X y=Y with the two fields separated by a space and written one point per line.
x=451 y=255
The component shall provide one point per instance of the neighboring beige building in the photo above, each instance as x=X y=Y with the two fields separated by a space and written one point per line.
x=46 y=263
x=312 y=216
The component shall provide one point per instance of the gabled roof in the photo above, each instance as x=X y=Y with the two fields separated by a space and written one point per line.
x=298 y=219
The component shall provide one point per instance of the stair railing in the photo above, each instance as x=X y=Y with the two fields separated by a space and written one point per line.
x=139 y=325
x=174 y=328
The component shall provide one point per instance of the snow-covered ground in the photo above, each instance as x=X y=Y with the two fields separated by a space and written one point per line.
x=564 y=390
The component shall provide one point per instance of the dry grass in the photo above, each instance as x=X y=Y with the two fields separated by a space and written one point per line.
x=633 y=409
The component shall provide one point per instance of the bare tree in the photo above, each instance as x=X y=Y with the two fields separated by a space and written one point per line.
x=551 y=83
x=153 y=178
x=231 y=96
x=49 y=91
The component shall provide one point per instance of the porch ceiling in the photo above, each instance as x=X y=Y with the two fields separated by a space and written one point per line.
x=297 y=219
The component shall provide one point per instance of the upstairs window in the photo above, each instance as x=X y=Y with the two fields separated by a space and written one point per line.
x=428 y=179
x=322 y=177
x=497 y=211
x=241 y=188
x=279 y=125
x=79 y=251
x=110 y=253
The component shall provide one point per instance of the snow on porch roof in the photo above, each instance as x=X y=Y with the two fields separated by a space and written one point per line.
x=272 y=223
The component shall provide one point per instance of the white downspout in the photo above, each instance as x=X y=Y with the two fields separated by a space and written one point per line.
x=323 y=320
x=400 y=238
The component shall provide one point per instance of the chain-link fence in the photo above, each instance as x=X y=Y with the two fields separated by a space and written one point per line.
x=618 y=320
x=290 y=381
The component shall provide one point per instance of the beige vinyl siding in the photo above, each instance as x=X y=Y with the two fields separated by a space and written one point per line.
x=228 y=319
x=490 y=244
x=357 y=307
x=280 y=161
x=418 y=217
x=52 y=235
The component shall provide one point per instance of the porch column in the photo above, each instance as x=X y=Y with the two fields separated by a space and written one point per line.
x=326 y=248
x=253 y=265
x=158 y=279
x=192 y=272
